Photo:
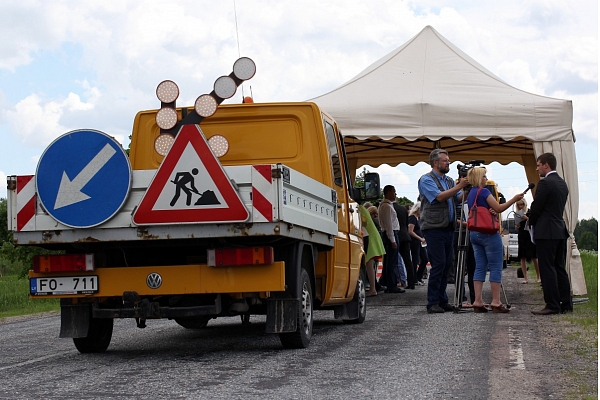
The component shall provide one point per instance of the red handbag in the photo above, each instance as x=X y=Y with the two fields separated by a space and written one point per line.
x=481 y=220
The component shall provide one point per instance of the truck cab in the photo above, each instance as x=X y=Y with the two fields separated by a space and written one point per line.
x=303 y=138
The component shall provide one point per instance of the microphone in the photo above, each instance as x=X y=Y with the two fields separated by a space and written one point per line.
x=531 y=186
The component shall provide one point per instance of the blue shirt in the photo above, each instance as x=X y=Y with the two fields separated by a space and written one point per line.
x=429 y=189
x=481 y=199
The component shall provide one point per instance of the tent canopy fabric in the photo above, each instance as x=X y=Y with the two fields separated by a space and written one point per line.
x=429 y=94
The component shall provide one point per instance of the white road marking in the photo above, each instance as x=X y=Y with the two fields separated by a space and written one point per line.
x=515 y=350
x=35 y=360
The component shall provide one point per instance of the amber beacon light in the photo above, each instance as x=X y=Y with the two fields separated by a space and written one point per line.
x=168 y=119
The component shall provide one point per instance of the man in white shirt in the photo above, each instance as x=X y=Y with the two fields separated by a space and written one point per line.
x=389 y=233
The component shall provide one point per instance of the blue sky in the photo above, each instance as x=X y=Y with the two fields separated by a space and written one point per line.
x=68 y=65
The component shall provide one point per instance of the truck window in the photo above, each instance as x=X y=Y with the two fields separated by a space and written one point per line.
x=349 y=180
x=333 y=153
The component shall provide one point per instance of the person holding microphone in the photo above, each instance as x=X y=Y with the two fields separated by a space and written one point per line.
x=487 y=247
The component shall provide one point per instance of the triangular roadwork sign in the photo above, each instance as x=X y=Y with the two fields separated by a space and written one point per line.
x=190 y=186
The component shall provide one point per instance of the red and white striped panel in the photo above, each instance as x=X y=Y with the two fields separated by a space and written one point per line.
x=25 y=203
x=379 y=272
x=262 y=193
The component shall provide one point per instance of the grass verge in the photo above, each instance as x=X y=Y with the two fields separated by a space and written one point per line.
x=574 y=336
x=14 y=299
x=581 y=330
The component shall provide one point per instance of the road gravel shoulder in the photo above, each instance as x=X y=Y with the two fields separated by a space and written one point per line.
x=548 y=356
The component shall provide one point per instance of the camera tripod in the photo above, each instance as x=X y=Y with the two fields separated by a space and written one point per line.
x=461 y=261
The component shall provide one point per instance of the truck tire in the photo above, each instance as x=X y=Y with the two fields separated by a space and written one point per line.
x=98 y=338
x=360 y=298
x=300 y=339
x=193 y=323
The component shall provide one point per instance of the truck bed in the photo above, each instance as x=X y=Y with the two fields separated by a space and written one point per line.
x=301 y=208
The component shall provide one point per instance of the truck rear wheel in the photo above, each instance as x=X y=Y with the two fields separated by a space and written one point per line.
x=98 y=338
x=360 y=299
x=300 y=339
x=193 y=323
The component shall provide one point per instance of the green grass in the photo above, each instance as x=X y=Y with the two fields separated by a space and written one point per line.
x=14 y=299
x=586 y=314
x=583 y=311
x=590 y=270
x=580 y=330
x=585 y=318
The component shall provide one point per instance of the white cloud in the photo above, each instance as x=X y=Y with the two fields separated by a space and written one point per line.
x=27 y=28
x=579 y=55
x=37 y=122
x=517 y=73
x=585 y=116
x=588 y=209
x=35 y=159
x=302 y=50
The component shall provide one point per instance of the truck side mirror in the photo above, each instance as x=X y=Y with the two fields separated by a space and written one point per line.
x=372 y=186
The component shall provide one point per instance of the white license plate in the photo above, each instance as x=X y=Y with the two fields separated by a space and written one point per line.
x=63 y=285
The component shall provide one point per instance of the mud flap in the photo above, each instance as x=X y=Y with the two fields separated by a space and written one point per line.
x=346 y=311
x=282 y=315
x=75 y=320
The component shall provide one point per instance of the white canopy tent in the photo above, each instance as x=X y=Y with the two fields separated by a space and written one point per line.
x=429 y=94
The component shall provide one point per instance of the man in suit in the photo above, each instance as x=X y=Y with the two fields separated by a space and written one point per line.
x=550 y=235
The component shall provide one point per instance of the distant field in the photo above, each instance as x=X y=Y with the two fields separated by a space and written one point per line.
x=14 y=298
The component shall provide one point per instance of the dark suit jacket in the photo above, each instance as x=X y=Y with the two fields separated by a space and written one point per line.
x=546 y=213
x=402 y=214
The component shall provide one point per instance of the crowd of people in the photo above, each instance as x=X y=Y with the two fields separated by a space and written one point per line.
x=437 y=230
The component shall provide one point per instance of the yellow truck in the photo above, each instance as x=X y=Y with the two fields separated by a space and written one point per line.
x=250 y=210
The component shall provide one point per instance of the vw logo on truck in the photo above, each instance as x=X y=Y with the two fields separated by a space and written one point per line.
x=154 y=280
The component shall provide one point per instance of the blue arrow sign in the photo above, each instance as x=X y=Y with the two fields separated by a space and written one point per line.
x=83 y=178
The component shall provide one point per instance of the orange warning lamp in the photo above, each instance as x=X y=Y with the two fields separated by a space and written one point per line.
x=205 y=105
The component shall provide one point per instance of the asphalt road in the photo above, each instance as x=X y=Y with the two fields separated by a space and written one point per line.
x=400 y=351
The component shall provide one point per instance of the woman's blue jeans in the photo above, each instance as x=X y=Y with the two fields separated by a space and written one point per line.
x=488 y=255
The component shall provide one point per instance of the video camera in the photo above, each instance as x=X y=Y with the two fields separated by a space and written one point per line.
x=464 y=168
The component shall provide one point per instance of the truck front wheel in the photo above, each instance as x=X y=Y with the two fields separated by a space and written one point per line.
x=300 y=339
x=98 y=338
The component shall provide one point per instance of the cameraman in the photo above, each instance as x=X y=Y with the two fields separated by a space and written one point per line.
x=438 y=203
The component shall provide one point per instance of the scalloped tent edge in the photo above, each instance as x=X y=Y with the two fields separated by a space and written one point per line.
x=429 y=94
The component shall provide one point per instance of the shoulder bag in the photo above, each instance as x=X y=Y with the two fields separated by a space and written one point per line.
x=481 y=220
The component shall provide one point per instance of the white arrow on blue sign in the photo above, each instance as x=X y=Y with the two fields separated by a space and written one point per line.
x=83 y=178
